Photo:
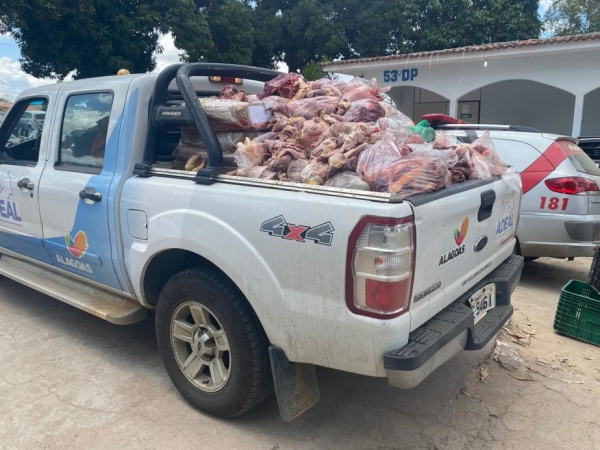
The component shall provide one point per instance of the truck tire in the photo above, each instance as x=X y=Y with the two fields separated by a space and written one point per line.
x=212 y=344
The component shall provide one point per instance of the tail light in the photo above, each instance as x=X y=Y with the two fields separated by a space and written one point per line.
x=591 y=186
x=572 y=185
x=380 y=267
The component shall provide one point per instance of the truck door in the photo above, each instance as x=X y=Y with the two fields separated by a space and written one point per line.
x=74 y=189
x=21 y=166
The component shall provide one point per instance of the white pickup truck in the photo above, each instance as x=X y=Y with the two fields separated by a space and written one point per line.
x=253 y=282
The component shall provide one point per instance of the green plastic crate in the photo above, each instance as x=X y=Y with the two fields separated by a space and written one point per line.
x=578 y=312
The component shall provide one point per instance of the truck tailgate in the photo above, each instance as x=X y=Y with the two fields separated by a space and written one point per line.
x=462 y=234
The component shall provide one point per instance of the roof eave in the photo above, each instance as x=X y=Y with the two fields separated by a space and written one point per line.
x=463 y=55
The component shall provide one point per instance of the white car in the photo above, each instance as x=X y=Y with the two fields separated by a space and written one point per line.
x=560 y=210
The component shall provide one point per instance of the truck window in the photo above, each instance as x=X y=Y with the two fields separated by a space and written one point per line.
x=84 y=132
x=21 y=136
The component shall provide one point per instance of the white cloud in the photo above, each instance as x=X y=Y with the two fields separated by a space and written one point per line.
x=170 y=53
x=544 y=5
x=13 y=80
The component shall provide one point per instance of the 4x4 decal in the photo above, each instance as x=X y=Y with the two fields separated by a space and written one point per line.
x=278 y=226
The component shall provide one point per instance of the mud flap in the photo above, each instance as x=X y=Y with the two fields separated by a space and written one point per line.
x=296 y=385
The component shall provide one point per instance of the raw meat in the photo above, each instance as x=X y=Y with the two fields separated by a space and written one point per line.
x=311 y=107
x=285 y=85
x=366 y=110
x=231 y=92
x=422 y=171
x=347 y=179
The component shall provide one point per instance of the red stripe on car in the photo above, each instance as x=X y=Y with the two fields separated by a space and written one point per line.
x=542 y=166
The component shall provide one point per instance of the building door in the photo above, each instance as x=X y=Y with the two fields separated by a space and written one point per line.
x=469 y=111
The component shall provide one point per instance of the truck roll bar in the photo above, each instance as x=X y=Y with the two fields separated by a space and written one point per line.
x=193 y=111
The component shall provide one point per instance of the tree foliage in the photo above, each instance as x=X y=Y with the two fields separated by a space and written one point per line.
x=98 y=37
x=458 y=23
x=568 y=17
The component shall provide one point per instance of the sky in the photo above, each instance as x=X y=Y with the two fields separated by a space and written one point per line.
x=13 y=80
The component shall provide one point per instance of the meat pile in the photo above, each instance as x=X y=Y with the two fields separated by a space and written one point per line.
x=344 y=135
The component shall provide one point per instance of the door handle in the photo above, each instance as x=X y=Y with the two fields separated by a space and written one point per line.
x=487 y=204
x=90 y=194
x=25 y=183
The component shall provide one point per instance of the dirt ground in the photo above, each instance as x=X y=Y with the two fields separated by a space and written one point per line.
x=69 y=380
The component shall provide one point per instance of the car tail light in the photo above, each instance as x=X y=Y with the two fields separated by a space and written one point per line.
x=591 y=185
x=380 y=267
x=572 y=185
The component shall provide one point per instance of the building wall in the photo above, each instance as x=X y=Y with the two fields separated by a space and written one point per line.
x=522 y=102
x=404 y=97
x=591 y=114
x=464 y=77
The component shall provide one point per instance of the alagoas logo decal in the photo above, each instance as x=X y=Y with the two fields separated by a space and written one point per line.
x=78 y=246
x=9 y=209
x=459 y=235
x=454 y=253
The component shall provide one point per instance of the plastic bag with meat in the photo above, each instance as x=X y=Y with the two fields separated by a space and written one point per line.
x=300 y=131
x=365 y=110
x=282 y=153
x=319 y=88
x=443 y=140
x=250 y=153
x=294 y=170
x=359 y=89
x=328 y=84
x=484 y=148
x=406 y=140
x=382 y=153
x=396 y=115
x=228 y=139
x=191 y=143
x=421 y=171
x=256 y=172
x=317 y=172
x=311 y=107
x=393 y=123
x=466 y=164
x=231 y=115
x=347 y=179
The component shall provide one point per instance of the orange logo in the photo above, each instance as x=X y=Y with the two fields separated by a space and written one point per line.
x=78 y=246
x=459 y=236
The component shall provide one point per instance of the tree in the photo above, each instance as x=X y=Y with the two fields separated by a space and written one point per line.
x=316 y=30
x=568 y=17
x=98 y=37
x=459 y=23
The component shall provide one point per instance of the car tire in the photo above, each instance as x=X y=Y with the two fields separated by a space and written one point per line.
x=211 y=343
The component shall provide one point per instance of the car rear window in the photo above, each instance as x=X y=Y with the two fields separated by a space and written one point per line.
x=40 y=116
x=581 y=161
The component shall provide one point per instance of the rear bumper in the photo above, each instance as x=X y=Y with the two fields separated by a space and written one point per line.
x=558 y=235
x=452 y=330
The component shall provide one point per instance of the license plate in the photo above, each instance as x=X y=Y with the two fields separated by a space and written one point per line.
x=482 y=301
